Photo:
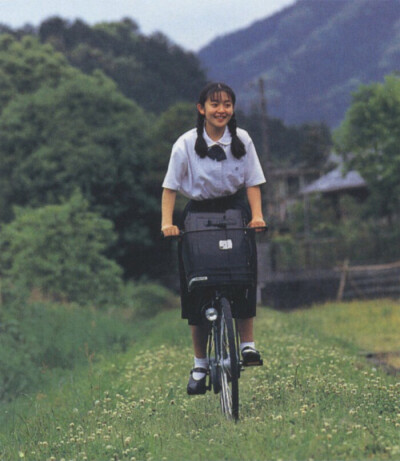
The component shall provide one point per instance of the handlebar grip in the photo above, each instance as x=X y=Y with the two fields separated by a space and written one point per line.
x=162 y=236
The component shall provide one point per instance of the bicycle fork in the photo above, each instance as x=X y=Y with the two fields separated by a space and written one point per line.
x=217 y=363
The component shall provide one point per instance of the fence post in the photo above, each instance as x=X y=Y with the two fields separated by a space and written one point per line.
x=343 y=278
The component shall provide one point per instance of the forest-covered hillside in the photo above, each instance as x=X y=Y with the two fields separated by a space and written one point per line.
x=148 y=69
x=312 y=55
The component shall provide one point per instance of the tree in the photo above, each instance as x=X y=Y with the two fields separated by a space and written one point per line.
x=150 y=70
x=60 y=249
x=26 y=65
x=82 y=134
x=62 y=130
x=167 y=128
x=369 y=140
x=305 y=145
x=315 y=144
x=171 y=124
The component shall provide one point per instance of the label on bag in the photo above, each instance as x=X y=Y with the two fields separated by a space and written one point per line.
x=225 y=244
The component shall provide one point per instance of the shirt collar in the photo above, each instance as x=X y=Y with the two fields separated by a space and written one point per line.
x=225 y=140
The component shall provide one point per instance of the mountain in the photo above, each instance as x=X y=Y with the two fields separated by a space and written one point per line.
x=311 y=55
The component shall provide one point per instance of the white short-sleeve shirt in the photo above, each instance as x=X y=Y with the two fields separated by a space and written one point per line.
x=204 y=178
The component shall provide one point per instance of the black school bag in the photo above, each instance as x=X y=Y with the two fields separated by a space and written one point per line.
x=216 y=251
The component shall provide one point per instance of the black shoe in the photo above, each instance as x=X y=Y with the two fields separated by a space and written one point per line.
x=197 y=387
x=251 y=357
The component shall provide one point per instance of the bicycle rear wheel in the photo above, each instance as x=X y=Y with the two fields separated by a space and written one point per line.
x=228 y=359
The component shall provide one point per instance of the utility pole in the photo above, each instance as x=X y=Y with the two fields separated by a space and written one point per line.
x=268 y=197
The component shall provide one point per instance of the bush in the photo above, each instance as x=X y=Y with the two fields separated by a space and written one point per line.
x=60 y=250
x=36 y=337
x=318 y=239
x=285 y=253
x=147 y=300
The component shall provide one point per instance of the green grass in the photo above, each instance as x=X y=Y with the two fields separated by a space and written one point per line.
x=370 y=325
x=315 y=398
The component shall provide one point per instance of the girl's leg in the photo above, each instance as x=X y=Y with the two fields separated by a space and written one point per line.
x=199 y=338
x=247 y=346
x=245 y=327
x=197 y=380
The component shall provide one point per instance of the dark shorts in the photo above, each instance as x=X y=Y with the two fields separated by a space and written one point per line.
x=243 y=300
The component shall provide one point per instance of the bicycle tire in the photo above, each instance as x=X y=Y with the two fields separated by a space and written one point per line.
x=214 y=382
x=229 y=367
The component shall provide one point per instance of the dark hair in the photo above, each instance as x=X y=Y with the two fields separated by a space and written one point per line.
x=238 y=149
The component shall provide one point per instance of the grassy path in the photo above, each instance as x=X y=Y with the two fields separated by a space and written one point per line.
x=316 y=397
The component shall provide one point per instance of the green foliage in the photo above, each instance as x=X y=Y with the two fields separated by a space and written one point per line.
x=319 y=240
x=315 y=144
x=27 y=65
x=62 y=130
x=39 y=338
x=367 y=241
x=369 y=138
x=150 y=70
x=171 y=124
x=317 y=215
x=82 y=134
x=306 y=145
x=59 y=249
x=284 y=253
x=146 y=300
x=166 y=129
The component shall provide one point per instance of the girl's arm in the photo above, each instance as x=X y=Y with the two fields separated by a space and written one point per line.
x=254 y=198
x=167 y=212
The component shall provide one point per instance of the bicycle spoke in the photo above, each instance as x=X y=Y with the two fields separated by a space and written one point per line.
x=226 y=396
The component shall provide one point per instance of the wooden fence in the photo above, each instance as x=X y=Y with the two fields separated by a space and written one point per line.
x=364 y=282
x=288 y=290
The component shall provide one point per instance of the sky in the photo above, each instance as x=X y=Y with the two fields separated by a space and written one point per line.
x=191 y=24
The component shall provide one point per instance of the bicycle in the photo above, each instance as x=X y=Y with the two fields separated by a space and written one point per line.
x=223 y=351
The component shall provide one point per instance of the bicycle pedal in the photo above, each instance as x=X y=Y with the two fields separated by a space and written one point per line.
x=253 y=363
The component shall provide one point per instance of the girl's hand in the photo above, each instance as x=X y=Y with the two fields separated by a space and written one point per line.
x=257 y=222
x=170 y=230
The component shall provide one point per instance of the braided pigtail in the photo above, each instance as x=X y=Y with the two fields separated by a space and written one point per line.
x=237 y=146
x=200 y=147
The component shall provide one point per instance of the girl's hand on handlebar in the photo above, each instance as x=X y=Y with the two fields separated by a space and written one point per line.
x=257 y=222
x=170 y=230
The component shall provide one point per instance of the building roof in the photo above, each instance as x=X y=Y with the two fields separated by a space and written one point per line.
x=335 y=181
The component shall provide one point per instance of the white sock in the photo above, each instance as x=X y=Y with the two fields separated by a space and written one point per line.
x=248 y=344
x=200 y=363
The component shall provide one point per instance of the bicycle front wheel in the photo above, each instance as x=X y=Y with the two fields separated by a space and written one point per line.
x=228 y=360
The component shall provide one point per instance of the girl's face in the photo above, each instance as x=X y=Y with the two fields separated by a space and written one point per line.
x=217 y=110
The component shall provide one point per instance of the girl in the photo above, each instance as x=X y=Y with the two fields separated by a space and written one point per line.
x=216 y=166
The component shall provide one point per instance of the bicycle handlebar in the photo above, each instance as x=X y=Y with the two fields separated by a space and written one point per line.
x=245 y=228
